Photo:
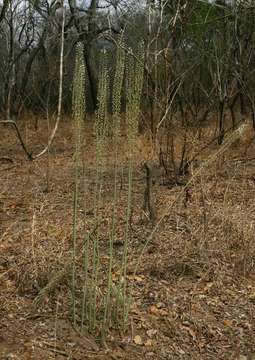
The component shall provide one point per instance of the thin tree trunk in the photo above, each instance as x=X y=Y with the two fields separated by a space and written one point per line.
x=91 y=76
x=221 y=122
x=27 y=71
x=4 y=9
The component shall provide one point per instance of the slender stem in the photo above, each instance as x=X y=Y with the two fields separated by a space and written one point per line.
x=74 y=241
x=78 y=115
x=125 y=252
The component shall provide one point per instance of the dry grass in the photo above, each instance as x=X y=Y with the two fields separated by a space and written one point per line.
x=195 y=287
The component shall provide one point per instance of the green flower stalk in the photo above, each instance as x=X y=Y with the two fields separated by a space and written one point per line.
x=78 y=101
x=134 y=86
x=116 y=106
x=100 y=132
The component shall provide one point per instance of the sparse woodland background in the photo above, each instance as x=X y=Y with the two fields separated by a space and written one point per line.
x=127 y=209
x=199 y=56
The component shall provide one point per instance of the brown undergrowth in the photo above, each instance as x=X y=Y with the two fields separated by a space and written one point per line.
x=194 y=290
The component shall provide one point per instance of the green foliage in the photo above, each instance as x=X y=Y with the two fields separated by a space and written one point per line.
x=202 y=22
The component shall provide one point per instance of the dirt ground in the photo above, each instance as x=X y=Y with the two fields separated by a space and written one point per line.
x=194 y=292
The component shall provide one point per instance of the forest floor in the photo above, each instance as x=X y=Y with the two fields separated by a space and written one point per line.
x=194 y=292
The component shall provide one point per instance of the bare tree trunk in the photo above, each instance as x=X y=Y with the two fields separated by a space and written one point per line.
x=4 y=9
x=221 y=122
x=91 y=76
x=27 y=71
x=10 y=78
x=148 y=205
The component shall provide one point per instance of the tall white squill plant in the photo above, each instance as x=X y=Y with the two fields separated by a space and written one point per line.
x=78 y=107
x=134 y=87
x=116 y=109
x=100 y=135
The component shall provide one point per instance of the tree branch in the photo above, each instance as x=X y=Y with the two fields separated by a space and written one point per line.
x=3 y=11
x=13 y=123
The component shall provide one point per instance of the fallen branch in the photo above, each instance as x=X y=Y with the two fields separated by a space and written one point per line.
x=6 y=158
x=13 y=123
x=8 y=167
